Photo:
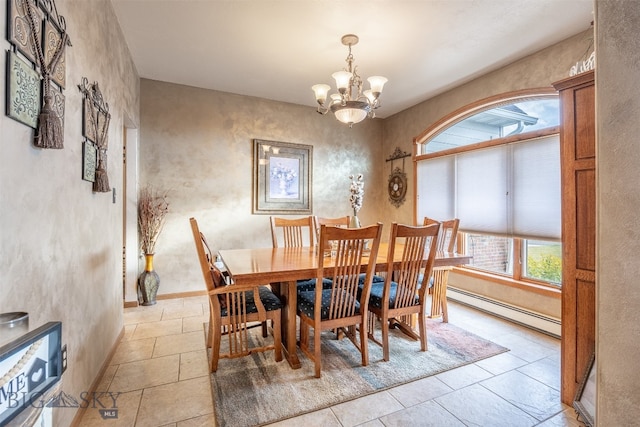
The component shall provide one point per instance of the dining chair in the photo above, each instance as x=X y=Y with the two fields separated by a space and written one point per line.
x=291 y=232
x=343 y=221
x=448 y=233
x=440 y=277
x=401 y=295
x=234 y=309
x=340 y=307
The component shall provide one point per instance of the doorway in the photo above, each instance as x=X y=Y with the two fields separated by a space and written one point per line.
x=130 y=252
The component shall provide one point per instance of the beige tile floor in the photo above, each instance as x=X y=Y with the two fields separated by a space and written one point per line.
x=160 y=367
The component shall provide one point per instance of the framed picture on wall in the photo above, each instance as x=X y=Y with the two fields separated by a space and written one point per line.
x=282 y=173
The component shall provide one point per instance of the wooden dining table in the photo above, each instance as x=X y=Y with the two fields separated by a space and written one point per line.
x=284 y=266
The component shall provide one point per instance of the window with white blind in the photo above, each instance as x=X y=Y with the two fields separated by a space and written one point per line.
x=509 y=190
x=505 y=190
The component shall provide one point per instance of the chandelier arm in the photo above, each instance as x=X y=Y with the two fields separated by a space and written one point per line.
x=322 y=110
x=356 y=81
x=375 y=104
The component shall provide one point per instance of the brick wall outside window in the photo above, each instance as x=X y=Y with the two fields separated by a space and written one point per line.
x=489 y=252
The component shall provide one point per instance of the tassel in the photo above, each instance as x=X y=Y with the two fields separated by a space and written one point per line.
x=101 y=184
x=50 y=133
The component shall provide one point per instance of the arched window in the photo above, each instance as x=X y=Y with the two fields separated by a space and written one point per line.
x=495 y=165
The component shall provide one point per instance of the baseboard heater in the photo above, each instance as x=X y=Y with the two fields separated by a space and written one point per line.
x=531 y=319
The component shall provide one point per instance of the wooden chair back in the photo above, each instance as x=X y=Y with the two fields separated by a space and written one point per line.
x=292 y=231
x=343 y=306
x=440 y=279
x=205 y=256
x=419 y=248
x=234 y=309
x=350 y=246
x=448 y=233
x=342 y=221
x=402 y=294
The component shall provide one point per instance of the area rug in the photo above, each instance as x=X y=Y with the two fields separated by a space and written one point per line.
x=255 y=390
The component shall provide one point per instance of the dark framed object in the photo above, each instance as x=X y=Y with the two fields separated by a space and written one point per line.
x=57 y=102
x=33 y=363
x=23 y=91
x=95 y=129
x=397 y=187
x=89 y=162
x=38 y=37
x=89 y=120
x=18 y=29
x=585 y=400
x=282 y=174
x=53 y=37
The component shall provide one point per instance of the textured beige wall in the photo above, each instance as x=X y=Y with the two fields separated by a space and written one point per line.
x=618 y=222
x=56 y=264
x=197 y=145
x=61 y=244
x=535 y=71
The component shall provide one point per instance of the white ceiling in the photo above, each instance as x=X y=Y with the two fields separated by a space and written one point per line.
x=277 y=49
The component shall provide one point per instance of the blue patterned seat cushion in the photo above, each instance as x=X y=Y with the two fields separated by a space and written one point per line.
x=269 y=300
x=310 y=284
x=421 y=279
x=361 y=279
x=375 y=298
x=363 y=276
x=306 y=300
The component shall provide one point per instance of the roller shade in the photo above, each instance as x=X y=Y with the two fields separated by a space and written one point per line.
x=510 y=190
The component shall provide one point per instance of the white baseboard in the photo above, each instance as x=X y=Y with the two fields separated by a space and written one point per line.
x=531 y=319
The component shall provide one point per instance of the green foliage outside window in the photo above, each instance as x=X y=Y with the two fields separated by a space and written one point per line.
x=545 y=267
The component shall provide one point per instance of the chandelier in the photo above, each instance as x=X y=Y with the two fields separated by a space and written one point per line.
x=350 y=105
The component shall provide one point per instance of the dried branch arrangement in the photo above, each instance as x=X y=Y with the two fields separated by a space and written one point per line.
x=357 y=192
x=152 y=210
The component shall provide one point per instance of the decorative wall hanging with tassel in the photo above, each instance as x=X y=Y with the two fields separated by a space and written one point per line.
x=38 y=33
x=397 y=184
x=95 y=129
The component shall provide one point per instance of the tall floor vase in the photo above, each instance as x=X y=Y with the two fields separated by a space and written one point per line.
x=148 y=283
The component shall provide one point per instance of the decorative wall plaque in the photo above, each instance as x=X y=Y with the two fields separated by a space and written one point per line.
x=89 y=164
x=19 y=31
x=397 y=187
x=397 y=184
x=57 y=102
x=52 y=39
x=23 y=93
x=95 y=128
x=89 y=120
x=38 y=32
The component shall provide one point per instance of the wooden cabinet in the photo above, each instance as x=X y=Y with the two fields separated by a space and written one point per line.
x=578 y=159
